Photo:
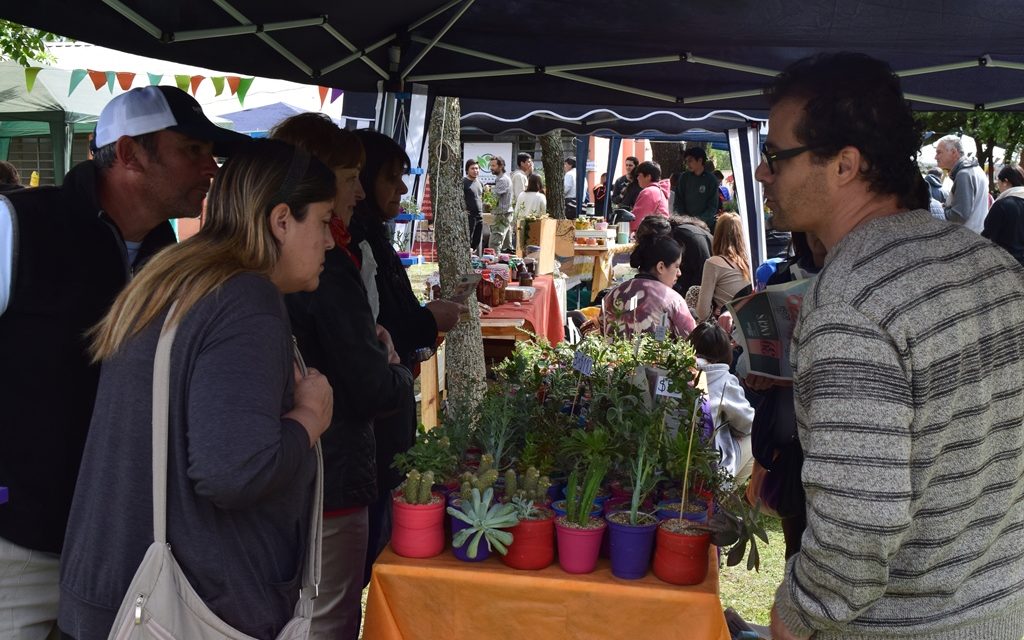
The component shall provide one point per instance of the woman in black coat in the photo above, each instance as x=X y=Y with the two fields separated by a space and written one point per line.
x=412 y=326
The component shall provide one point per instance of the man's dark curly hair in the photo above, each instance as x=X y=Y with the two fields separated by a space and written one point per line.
x=855 y=100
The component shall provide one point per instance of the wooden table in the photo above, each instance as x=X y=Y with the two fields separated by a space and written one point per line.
x=602 y=273
x=449 y=599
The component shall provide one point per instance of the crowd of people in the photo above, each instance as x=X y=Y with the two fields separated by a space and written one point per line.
x=896 y=450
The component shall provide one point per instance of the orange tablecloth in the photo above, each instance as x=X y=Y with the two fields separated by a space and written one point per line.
x=541 y=314
x=449 y=599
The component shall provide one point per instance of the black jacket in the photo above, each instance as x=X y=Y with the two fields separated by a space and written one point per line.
x=696 y=244
x=336 y=333
x=1004 y=225
x=69 y=264
x=410 y=324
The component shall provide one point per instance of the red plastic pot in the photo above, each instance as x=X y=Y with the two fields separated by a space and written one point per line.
x=681 y=559
x=578 y=548
x=533 y=544
x=417 y=530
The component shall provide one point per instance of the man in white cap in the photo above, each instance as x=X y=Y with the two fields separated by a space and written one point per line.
x=65 y=253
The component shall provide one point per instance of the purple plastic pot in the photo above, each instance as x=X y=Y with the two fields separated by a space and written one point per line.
x=630 y=548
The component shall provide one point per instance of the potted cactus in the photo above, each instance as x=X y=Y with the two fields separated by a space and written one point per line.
x=533 y=538
x=418 y=517
x=481 y=519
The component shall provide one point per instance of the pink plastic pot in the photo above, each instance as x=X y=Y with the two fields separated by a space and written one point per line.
x=578 y=548
x=417 y=530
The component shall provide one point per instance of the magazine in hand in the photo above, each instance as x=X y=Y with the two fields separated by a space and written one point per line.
x=763 y=325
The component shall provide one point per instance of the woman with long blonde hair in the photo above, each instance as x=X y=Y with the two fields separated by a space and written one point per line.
x=726 y=272
x=242 y=420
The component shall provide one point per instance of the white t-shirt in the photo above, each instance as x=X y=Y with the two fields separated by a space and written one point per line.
x=569 y=184
x=531 y=203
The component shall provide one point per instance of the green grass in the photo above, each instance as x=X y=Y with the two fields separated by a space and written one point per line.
x=751 y=593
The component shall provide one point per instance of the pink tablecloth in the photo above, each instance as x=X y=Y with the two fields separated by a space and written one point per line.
x=541 y=313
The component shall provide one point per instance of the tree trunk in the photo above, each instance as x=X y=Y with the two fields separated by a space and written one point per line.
x=669 y=156
x=554 y=173
x=464 y=347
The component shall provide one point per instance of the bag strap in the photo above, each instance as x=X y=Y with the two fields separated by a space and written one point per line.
x=311 y=573
x=161 y=396
x=161 y=402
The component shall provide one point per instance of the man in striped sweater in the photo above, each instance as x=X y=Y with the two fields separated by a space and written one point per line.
x=908 y=363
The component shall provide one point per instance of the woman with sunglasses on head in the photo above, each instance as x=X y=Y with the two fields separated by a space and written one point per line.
x=242 y=420
x=1004 y=224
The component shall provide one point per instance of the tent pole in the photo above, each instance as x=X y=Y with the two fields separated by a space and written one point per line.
x=135 y=18
x=614 y=144
x=743 y=150
x=243 y=29
x=437 y=38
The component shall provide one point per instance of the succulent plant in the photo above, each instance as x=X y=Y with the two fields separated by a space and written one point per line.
x=486 y=521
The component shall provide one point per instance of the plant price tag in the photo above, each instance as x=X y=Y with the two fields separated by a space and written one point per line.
x=583 y=363
x=659 y=333
x=661 y=388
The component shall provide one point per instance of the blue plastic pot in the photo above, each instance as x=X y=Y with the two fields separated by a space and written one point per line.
x=630 y=548
x=483 y=550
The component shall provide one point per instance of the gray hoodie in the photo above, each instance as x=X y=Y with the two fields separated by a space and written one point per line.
x=967 y=203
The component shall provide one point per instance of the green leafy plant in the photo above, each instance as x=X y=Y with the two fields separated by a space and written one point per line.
x=738 y=525
x=432 y=452
x=643 y=473
x=579 y=498
x=486 y=521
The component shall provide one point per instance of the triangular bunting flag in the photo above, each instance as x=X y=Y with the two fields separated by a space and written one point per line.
x=218 y=85
x=77 y=76
x=195 y=81
x=110 y=80
x=99 y=78
x=323 y=96
x=125 y=79
x=32 y=72
x=243 y=88
x=335 y=93
x=182 y=82
x=233 y=84
x=154 y=78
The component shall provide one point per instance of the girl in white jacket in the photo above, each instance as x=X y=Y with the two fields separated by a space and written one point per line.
x=732 y=414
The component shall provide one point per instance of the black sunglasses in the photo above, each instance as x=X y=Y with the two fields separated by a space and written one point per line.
x=771 y=157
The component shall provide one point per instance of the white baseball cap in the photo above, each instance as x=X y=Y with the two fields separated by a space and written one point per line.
x=155 y=108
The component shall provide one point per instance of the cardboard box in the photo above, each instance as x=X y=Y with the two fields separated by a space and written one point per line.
x=540 y=232
x=565 y=232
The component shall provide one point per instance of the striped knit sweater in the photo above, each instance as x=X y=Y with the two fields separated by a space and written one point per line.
x=909 y=376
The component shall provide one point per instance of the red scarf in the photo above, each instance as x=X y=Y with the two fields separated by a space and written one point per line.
x=342 y=238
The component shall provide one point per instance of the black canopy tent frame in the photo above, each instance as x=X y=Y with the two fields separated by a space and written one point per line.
x=954 y=56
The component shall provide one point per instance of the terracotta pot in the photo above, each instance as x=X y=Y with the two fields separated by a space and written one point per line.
x=681 y=559
x=577 y=548
x=630 y=547
x=417 y=530
x=533 y=544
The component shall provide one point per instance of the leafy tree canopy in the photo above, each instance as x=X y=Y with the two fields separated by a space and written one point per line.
x=988 y=128
x=23 y=44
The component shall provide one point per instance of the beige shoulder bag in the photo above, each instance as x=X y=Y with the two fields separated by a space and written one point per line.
x=160 y=603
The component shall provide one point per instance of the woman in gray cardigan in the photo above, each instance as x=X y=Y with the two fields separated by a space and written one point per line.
x=242 y=422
